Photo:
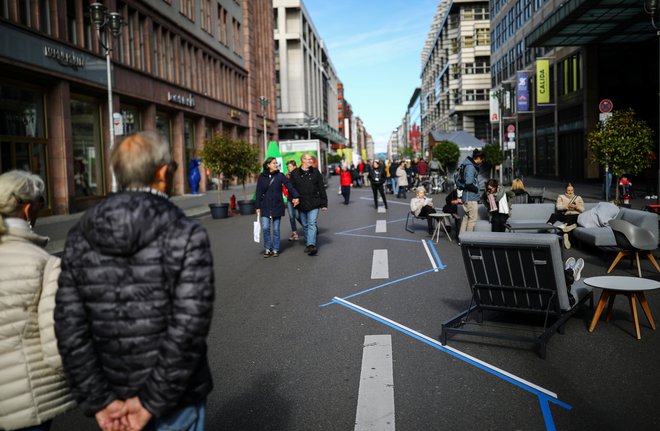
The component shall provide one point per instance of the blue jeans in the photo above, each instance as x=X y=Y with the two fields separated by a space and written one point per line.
x=271 y=243
x=293 y=215
x=395 y=185
x=189 y=418
x=308 y=220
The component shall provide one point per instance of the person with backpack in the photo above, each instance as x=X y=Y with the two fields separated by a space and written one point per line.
x=467 y=180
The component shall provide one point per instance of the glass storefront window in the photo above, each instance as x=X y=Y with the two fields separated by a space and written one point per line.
x=189 y=145
x=22 y=132
x=131 y=119
x=21 y=112
x=163 y=126
x=87 y=149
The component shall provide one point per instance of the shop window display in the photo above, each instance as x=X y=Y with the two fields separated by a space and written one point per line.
x=87 y=150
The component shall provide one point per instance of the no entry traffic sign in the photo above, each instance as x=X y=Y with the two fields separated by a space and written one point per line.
x=605 y=105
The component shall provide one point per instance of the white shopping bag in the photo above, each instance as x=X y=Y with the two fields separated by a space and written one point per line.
x=503 y=207
x=257 y=230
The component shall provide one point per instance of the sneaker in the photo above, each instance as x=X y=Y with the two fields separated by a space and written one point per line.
x=294 y=236
x=268 y=253
x=276 y=253
x=312 y=250
x=570 y=262
x=577 y=269
x=568 y=228
x=567 y=243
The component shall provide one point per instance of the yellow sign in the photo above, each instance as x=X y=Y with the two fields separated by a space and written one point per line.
x=542 y=82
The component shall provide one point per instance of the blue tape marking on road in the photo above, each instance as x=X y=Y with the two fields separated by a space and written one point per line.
x=376 y=236
x=435 y=254
x=542 y=396
x=547 y=414
x=379 y=286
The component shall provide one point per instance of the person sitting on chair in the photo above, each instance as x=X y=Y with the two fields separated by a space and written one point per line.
x=569 y=206
x=518 y=189
x=422 y=206
x=498 y=207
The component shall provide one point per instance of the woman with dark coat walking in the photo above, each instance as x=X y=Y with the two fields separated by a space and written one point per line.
x=270 y=205
x=377 y=179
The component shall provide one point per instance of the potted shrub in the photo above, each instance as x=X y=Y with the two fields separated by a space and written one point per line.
x=241 y=161
x=215 y=151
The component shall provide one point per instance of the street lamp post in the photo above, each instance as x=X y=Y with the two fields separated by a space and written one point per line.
x=651 y=7
x=105 y=22
x=263 y=100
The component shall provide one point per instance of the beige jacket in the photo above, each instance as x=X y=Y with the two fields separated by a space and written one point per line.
x=32 y=385
x=402 y=176
x=562 y=205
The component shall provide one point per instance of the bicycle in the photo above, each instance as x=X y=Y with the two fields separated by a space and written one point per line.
x=437 y=183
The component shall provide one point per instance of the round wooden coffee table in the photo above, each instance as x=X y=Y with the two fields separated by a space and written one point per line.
x=632 y=287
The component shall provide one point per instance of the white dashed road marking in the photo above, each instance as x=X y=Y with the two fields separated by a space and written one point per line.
x=375 y=408
x=379 y=265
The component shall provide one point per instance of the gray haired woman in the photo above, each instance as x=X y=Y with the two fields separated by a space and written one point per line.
x=32 y=383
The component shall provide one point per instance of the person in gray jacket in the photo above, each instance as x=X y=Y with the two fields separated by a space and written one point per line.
x=468 y=182
x=134 y=305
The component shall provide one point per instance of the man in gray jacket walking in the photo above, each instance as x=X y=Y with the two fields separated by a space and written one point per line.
x=135 y=300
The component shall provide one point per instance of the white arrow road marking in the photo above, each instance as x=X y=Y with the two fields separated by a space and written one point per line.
x=381 y=226
x=379 y=266
x=375 y=408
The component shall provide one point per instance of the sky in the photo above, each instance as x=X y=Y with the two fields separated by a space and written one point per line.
x=375 y=47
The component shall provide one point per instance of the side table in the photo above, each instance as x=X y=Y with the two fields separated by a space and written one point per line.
x=440 y=220
x=632 y=287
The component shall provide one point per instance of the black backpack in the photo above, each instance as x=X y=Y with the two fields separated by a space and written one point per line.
x=459 y=177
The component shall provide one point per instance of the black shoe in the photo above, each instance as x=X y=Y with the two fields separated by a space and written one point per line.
x=307 y=248
x=312 y=250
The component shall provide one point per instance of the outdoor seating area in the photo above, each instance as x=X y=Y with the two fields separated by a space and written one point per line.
x=515 y=273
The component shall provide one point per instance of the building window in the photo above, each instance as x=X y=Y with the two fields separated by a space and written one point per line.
x=237 y=37
x=130 y=119
x=187 y=9
x=222 y=26
x=87 y=149
x=483 y=37
x=163 y=126
x=206 y=13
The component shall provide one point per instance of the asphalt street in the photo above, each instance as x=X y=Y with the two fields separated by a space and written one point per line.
x=285 y=356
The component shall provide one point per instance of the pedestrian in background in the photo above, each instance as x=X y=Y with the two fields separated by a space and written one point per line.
x=308 y=181
x=135 y=300
x=468 y=181
x=292 y=211
x=402 y=180
x=377 y=179
x=345 y=182
x=498 y=204
x=270 y=204
x=567 y=209
x=32 y=382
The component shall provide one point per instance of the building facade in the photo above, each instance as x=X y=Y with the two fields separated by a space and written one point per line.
x=307 y=84
x=456 y=70
x=605 y=51
x=187 y=69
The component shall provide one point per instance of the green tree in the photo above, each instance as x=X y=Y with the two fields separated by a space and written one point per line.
x=406 y=153
x=334 y=158
x=226 y=158
x=493 y=156
x=447 y=154
x=241 y=161
x=623 y=142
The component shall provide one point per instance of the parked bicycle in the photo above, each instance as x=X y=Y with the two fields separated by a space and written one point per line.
x=437 y=183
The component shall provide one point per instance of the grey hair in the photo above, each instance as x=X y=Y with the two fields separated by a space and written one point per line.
x=17 y=187
x=137 y=158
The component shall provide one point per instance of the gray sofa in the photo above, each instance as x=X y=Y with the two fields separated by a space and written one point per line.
x=594 y=236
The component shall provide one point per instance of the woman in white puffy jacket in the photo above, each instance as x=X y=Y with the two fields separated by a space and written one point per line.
x=33 y=389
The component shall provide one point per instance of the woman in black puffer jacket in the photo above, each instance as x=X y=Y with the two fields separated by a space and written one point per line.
x=270 y=204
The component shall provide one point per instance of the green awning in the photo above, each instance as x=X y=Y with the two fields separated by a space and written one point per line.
x=585 y=22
